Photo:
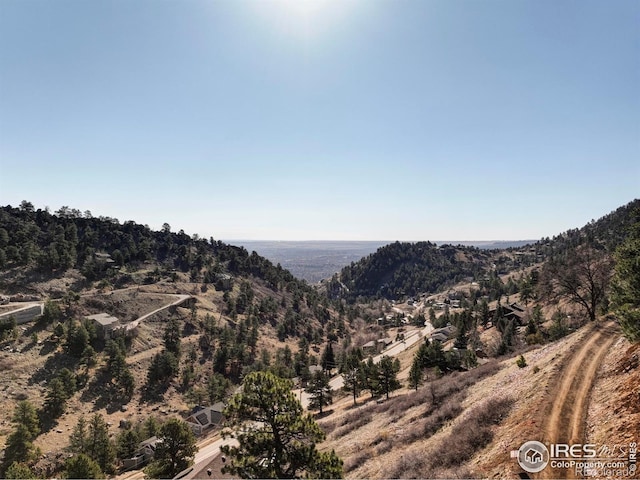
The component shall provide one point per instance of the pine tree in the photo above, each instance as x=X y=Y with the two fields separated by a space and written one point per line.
x=82 y=466
x=175 y=451
x=127 y=443
x=328 y=359
x=172 y=337
x=26 y=414
x=370 y=377
x=79 y=437
x=415 y=374
x=99 y=446
x=19 y=471
x=19 y=447
x=319 y=390
x=352 y=375
x=626 y=284
x=276 y=440
x=56 y=399
x=388 y=369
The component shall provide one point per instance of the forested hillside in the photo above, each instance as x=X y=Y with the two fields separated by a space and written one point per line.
x=56 y=242
x=404 y=268
x=608 y=232
x=36 y=244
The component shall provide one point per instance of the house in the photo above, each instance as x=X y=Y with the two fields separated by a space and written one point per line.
x=145 y=452
x=370 y=348
x=442 y=334
x=384 y=343
x=203 y=418
x=224 y=281
x=511 y=311
x=105 y=324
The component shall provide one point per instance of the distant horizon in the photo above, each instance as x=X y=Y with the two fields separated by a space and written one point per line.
x=227 y=240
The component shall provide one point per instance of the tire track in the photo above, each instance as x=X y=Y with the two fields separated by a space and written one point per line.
x=567 y=413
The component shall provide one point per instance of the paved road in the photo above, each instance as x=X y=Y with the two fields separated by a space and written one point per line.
x=205 y=455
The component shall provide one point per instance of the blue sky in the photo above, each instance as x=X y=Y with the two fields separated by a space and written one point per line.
x=319 y=119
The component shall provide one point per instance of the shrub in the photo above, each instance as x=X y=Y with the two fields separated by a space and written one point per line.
x=349 y=427
x=521 y=362
x=356 y=461
x=469 y=436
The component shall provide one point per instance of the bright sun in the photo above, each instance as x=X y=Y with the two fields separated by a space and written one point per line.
x=304 y=18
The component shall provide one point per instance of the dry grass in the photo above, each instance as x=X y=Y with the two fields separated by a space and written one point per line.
x=382 y=432
x=469 y=435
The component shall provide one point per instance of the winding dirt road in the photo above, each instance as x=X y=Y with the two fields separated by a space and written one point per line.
x=567 y=412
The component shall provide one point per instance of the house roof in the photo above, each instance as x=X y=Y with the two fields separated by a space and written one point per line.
x=104 y=319
x=441 y=337
x=448 y=330
x=151 y=442
x=370 y=344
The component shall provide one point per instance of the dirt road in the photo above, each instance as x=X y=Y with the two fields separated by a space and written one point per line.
x=566 y=413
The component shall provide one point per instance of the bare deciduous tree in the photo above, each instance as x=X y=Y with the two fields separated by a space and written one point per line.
x=582 y=277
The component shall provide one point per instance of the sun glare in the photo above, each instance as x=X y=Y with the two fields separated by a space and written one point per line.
x=304 y=19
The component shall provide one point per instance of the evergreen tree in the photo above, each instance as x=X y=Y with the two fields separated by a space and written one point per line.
x=79 y=437
x=388 y=369
x=172 y=337
x=18 y=471
x=99 y=446
x=26 y=414
x=92 y=439
x=352 y=375
x=370 y=377
x=217 y=387
x=319 y=390
x=461 y=337
x=77 y=339
x=127 y=443
x=415 y=374
x=626 y=284
x=19 y=447
x=68 y=380
x=82 y=466
x=328 y=358
x=56 y=399
x=276 y=440
x=175 y=451
x=164 y=367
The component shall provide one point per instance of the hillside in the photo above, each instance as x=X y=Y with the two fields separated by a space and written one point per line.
x=405 y=269
x=234 y=312
x=197 y=315
x=400 y=269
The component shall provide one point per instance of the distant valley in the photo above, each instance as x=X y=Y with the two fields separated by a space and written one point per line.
x=314 y=261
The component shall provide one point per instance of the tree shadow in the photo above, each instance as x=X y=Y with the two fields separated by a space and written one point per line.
x=53 y=364
x=325 y=413
x=47 y=348
x=153 y=394
x=102 y=394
